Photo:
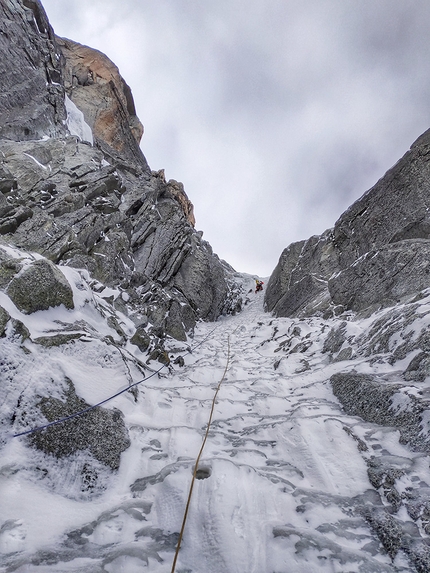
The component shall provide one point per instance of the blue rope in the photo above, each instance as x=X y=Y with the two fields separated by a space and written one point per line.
x=76 y=414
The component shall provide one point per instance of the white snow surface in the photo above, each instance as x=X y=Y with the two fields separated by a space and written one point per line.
x=76 y=123
x=283 y=457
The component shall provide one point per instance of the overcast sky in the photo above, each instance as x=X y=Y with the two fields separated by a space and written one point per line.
x=275 y=114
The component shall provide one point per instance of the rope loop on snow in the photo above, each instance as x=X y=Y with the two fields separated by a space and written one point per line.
x=196 y=465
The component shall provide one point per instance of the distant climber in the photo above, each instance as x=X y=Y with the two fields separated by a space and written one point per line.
x=258 y=286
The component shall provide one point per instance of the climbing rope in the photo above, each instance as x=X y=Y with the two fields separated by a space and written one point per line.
x=81 y=412
x=76 y=414
x=85 y=410
x=181 y=533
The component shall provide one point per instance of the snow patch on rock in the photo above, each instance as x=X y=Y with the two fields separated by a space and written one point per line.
x=76 y=123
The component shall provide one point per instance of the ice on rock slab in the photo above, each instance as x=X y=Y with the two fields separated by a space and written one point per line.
x=76 y=123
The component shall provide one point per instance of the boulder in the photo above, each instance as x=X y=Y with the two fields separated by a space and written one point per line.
x=57 y=339
x=419 y=368
x=100 y=431
x=40 y=286
x=141 y=338
x=7 y=184
x=9 y=267
x=386 y=402
x=4 y=319
x=19 y=329
x=335 y=338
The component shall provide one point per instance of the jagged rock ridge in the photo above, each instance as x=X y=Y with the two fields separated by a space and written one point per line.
x=376 y=254
x=97 y=207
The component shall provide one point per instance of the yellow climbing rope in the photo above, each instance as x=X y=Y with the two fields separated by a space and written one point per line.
x=181 y=533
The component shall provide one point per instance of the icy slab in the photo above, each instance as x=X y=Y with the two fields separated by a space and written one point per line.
x=76 y=123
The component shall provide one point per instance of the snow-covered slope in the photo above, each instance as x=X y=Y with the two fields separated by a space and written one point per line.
x=288 y=480
x=317 y=457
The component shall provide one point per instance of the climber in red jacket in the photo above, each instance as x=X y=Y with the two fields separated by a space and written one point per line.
x=258 y=286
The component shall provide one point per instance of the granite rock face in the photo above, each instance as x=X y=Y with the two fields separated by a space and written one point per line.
x=96 y=87
x=32 y=98
x=102 y=433
x=386 y=402
x=369 y=277
x=298 y=285
x=395 y=209
x=383 y=277
x=97 y=207
x=375 y=255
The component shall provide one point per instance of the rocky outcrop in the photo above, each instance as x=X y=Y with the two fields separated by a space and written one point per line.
x=384 y=276
x=280 y=280
x=298 y=285
x=125 y=228
x=176 y=188
x=4 y=319
x=96 y=87
x=373 y=266
x=395 y=209
x=49 y=360
x=386 y=402
x=105 y=251
x=76 y=191
x=97 y=207
x=376 y=254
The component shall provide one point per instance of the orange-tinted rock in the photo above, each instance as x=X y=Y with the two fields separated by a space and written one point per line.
x=96 y=87
x=177 y=190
